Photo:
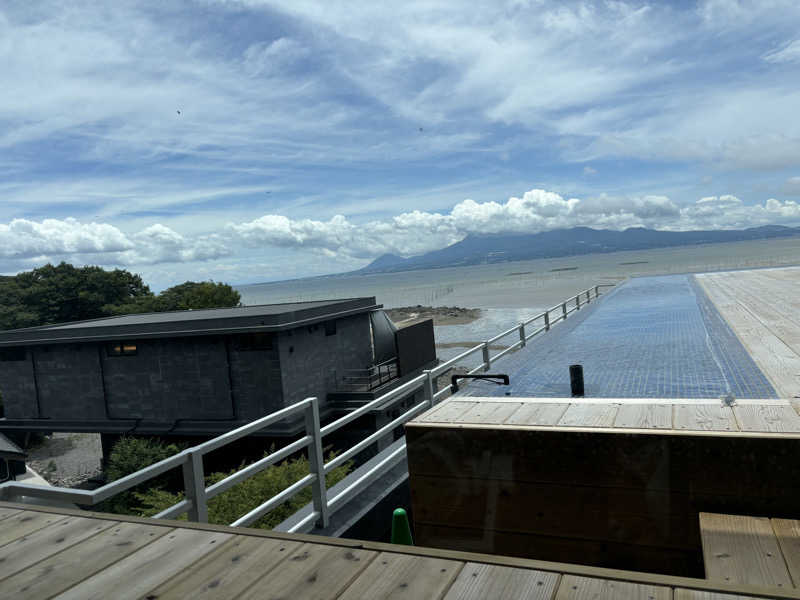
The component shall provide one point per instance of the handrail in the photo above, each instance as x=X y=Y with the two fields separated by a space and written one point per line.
x=191 y=459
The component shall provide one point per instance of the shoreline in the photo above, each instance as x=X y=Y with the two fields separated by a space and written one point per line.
x=441 y=315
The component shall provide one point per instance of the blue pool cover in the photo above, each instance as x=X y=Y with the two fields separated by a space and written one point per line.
x=651 y=337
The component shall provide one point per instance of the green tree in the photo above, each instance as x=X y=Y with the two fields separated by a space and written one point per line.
x=205 y=294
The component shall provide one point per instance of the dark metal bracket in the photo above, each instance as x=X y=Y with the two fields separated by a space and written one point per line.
x=498 y=378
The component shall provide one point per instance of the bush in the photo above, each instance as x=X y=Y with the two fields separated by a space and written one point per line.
x=131 y=454
x=247 y=495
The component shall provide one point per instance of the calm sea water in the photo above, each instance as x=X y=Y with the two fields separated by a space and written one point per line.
x=512 y=291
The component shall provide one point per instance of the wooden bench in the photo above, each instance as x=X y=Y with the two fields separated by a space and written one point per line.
x=751 y=550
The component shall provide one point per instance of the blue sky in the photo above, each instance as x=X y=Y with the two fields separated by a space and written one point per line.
x=251 y=141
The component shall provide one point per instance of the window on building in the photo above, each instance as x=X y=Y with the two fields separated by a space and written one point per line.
x=121 y=349
x=12 y=354
x=330 y=327
x=254 y=341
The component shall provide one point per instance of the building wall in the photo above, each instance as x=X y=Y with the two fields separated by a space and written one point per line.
x=311 y=360
x=18 y=388
x=168 y=379
x=69 y=382
x=256 y=377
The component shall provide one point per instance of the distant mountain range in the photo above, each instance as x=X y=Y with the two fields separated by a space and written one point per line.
x=496 y=248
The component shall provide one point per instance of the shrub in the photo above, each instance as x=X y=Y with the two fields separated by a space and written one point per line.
x=247 y=495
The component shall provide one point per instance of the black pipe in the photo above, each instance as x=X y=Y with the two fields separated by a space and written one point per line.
x=576 y=380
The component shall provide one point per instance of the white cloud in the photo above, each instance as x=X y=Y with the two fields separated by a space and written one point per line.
x=789 y=53
x=587 y=170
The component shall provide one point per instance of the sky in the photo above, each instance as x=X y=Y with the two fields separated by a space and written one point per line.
x=248 y=140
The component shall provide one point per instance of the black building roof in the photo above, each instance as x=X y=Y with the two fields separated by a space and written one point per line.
x=9 y=449
x=243 y=319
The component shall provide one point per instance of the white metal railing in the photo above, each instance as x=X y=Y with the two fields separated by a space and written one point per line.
x=195 y=502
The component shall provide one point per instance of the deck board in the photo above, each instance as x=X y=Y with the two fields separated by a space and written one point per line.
x=742 y=549
x=234 y=567
x=761 y=308
x=531 y=413
x=777 y=419
x=480 y=581
x=589 y=415
x=313 y=571
x=589 y=588
x=447 y=410
x=25 y=523
x=681 y=594
x=401 y=576
x=66 y=569
x=704 y=417
x=149 y=567
x=30 y=549
x=644 y=416
x=488 y=412
x=788 y=534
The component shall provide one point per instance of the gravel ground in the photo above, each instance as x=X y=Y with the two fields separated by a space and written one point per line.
x=67 y=459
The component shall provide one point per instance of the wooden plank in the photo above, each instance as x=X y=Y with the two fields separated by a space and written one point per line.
x=704 y=417
x=478 y=581
x=24 y=523
x=7 y=512
x=589 y=415
x=573 y=587
x=788 y=534
x=682 y=594
x=534 y=413
x=149 y=567
x=233 y=568
x=66 y=569
x=644 y=416
x=740 y=549
x=767 y=418
x=30 y=549
x=393 y=575
x=488 y=412
x=313 y=571
x=445 y=412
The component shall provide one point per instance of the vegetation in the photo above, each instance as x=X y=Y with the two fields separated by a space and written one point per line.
x=131 y=454
x=57 y=294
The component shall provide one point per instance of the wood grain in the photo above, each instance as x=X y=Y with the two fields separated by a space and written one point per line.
x=402 y=576
x=146 y=569
x=682 y=594
x=644 y=416
x=741 y=549
x=233 y=568
x=479 y=581
x=534 y=413
x=573 y=587
x=32 y=548
x=66 y=569
x=488 y=412
x=767 y=418
x=312 y=571
x=24 y=523
x=445 y=412
x=788 y=533
x=589 y=415
x=704 y=417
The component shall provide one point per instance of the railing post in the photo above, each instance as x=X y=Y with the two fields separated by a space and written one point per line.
x=316 y=463
x=564 y=309
x=547 y=320
x=578 y=301
x=597 y=291
x=588 y=296
x=427 y=388
x=194 y=482
x=487 y=362
x=522 y=341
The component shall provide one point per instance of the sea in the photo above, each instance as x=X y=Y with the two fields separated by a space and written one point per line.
x=510 y=292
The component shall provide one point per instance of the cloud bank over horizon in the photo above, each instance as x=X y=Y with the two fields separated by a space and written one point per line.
x=24 y=242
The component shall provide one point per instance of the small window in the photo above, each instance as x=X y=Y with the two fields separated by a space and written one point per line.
x=330 y=327
x=12 y=354
x=121 y=349
x=254 y=341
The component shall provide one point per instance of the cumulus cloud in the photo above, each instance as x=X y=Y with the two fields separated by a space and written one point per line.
x=103 y=243
x=537 y=210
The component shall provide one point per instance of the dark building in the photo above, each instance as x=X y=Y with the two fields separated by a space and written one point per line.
x=202 y=371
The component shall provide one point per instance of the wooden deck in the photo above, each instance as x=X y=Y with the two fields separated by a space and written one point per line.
x=763 y=309
x=47 y=553
x=646 y=414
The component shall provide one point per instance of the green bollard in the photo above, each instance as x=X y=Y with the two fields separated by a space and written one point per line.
x=401 y=531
